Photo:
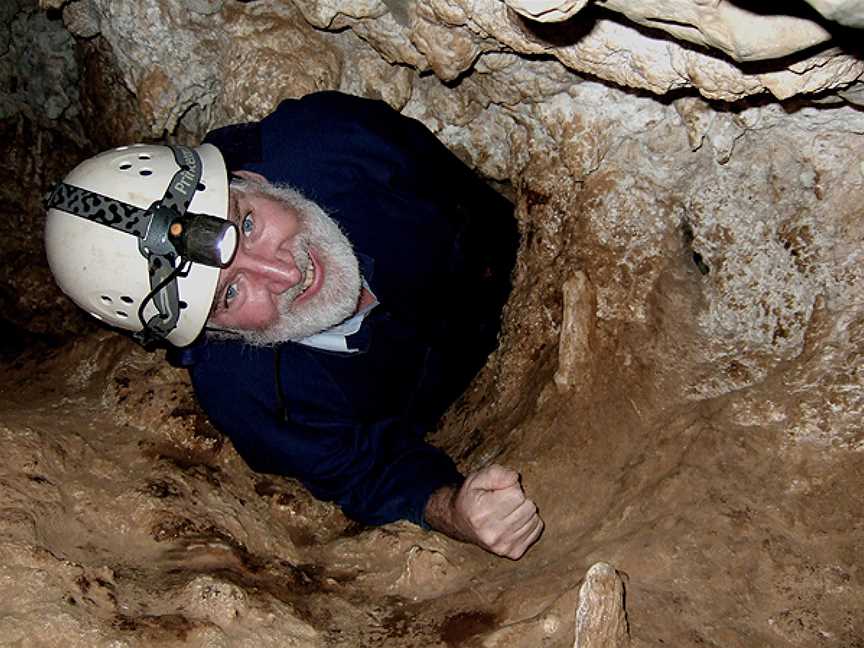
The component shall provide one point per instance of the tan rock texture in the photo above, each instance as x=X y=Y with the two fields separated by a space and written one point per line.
x=845 y=12
x=744 y=33
x=578 y=321
x=213 y=67
x=679 y=373
x=741 y=33
x=601 y=621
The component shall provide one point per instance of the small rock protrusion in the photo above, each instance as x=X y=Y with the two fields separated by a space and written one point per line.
x=577 y=326
x=601 y=621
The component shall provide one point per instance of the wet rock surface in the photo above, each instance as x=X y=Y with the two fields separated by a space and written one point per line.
x=678 y=380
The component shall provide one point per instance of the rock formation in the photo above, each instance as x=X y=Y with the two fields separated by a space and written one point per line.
x=679 y=375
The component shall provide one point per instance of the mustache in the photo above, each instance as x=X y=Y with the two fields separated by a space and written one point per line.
x=302 y=259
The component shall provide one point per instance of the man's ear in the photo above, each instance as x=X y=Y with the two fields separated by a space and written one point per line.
x=251 y=176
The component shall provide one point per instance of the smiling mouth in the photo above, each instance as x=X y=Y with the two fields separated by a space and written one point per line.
x=312 y=279
x=309 y=277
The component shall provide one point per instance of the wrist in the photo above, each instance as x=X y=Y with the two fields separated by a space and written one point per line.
x=441 y=513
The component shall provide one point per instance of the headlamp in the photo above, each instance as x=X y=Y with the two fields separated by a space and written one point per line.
x=202 y=238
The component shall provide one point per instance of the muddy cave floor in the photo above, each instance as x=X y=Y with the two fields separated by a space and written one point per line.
x=126 y=518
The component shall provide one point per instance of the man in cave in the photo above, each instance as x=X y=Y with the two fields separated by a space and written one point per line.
x=348 y=294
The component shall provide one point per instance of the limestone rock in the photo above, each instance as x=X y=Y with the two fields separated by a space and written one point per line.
x=205 y=7
x=627 y=56
x=38 y=70
x=233 y=610
x=427 y=574
x=81 y=18
x=272 y=53
x=546 y=10
x=845 y=12
x=327 y=13
x=601 y=621
x=551 y=625
x=743 y=35
x=577 y=328
x=450 y=49
x=854 y=94
x=392 y=41
x=369 y=75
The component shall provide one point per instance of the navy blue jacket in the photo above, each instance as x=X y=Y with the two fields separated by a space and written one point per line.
x=436 y=246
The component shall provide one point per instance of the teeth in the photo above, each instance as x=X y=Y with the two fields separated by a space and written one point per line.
x=310 y=276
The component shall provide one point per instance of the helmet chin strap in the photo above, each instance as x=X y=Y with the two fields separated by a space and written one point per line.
x=152 y=227
x=165 y=298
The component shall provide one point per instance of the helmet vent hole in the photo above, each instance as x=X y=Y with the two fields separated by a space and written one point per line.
x=201 y=186
x=127 y=299
x=123 y=314
x=183 y=304
x=145 y=172
x=106 y=299
x=143 y=156
x=126 y=165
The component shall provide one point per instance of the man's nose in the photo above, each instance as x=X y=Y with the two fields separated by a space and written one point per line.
x=277 y=274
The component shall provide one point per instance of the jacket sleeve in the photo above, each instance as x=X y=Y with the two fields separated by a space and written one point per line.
x=377 y=471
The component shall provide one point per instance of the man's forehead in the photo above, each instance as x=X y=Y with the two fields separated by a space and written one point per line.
x=234 y=195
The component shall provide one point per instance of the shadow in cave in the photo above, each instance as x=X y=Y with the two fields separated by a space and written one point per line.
x=571 y=31
x=843 y=37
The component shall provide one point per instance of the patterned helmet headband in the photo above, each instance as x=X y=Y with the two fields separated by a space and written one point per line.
x=168 y=237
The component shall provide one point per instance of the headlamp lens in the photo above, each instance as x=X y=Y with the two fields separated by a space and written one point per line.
x=227 y=245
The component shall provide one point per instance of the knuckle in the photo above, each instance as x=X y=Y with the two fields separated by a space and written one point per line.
x=490 y=537
x=477 y=517
x=509 y=548
x=501 y=549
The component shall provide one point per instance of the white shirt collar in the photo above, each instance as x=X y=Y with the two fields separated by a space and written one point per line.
x=335 y=338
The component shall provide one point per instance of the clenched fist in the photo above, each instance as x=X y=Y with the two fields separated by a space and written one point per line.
x=489 y=510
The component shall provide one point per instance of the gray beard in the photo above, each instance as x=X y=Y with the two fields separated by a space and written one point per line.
x=337 y=297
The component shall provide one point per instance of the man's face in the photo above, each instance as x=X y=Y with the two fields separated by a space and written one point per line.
x=294 y=273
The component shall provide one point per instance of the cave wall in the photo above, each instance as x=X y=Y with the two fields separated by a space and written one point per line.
x=678 y=377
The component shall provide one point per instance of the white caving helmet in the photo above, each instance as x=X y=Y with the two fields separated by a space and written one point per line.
x=121 y=243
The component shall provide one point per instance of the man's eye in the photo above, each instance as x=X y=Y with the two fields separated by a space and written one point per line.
x=248 y=224
x=230 y=293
